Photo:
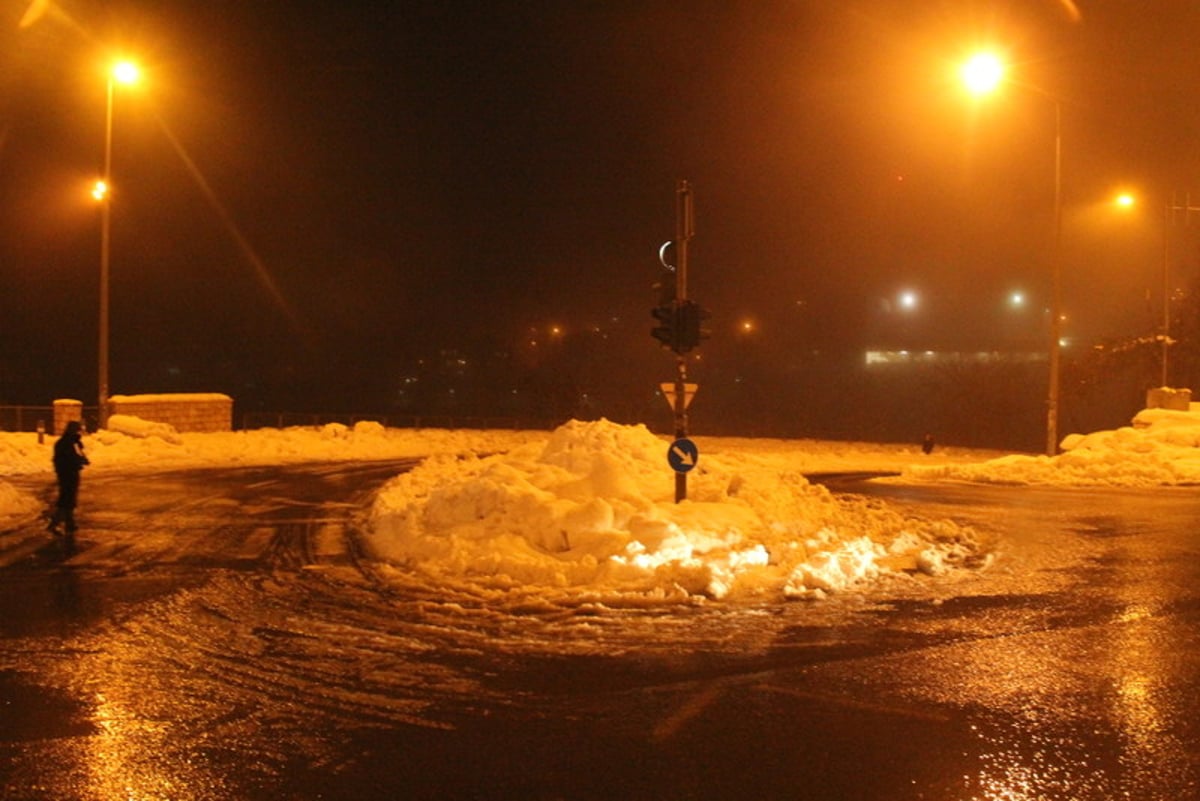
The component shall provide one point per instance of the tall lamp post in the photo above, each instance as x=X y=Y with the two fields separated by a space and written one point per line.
x=1169 y=211
x=982 y=74
x=124 y=72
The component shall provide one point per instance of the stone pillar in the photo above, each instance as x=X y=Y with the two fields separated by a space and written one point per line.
x=64 y=412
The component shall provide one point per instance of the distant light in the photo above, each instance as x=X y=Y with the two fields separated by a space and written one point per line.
x=126 y=72
x=982 y=73
x=1125 y=200
x=908 y=300
x=1017 y=299
x=100 y=190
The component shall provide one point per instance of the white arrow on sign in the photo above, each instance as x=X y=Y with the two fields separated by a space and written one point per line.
x=684 y=456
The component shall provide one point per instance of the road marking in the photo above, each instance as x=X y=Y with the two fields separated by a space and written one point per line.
x=670 y=726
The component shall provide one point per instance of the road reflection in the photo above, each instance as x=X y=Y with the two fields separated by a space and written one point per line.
x=1100 y=715
x=1068 y=670
x=128 y=758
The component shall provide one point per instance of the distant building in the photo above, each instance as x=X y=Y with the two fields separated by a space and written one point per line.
x=888 y=358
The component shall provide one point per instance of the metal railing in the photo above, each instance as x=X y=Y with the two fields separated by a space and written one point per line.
x=26 y=418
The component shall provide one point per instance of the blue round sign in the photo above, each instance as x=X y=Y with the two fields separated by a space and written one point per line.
x=682 y=455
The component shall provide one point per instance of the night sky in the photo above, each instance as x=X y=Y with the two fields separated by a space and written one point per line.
x=339 y=189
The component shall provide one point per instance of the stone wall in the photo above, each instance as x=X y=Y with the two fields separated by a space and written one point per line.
x=203 y=412
x=1179 y=400
x=66 y=410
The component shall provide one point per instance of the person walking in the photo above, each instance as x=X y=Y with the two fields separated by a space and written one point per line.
x=69 y=461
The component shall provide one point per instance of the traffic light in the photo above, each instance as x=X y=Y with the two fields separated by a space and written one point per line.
x=692 y=331
x=667 y=330
x=681 y=325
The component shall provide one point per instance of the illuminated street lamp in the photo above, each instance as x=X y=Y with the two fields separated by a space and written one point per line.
x=1127 y=200
x=982 y=74
x=123 y=72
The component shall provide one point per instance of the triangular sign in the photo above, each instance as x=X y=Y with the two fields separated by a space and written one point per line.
x=668 y=391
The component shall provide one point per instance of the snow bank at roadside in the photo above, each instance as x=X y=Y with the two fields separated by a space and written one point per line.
x=130 y=442
x=1160 y=448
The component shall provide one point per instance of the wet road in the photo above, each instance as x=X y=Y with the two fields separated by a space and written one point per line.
x=219 y=635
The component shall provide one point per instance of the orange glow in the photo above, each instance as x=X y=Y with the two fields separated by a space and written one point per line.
x=125 y=72
x=982 y=73
x=100 y=190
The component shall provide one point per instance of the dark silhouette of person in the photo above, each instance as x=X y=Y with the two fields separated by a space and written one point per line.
x=69 y=461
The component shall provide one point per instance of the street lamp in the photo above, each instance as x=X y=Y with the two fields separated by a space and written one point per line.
x=124 y=72
x=1170 y=210
x=982 y=74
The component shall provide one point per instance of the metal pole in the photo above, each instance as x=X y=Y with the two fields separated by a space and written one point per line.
x=1056 y=292
x=105 y=224
x=1169 y=212
x=1166 y=250
x=683 y=233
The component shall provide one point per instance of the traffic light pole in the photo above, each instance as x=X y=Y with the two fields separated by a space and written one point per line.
x=683 y=234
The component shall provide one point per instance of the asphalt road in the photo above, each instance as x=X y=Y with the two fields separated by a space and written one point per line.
x=220 y=635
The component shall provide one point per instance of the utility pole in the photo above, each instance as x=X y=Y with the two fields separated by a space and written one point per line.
x=1170 y=213
x=684 y=231
x=680 y=328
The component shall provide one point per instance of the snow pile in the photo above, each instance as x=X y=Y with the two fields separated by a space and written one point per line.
x=1160 y=448
x=132 y=442
x=591 y=512
x=22 y=454
x=136 y=427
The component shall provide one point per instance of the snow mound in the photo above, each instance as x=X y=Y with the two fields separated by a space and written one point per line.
x=138 y=428
x=1160 y=448
x=22 y=454
x=591 y=511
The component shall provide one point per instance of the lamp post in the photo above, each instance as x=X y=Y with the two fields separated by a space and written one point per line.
x=1052 y=395
x=982 y=74
x=1169 y=212
x=124 y=72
